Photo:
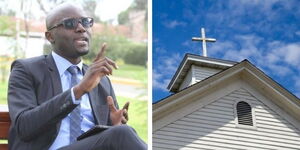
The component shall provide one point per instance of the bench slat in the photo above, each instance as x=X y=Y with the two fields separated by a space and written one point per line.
x=4 y=117
x=4 y=127
x=3 y=147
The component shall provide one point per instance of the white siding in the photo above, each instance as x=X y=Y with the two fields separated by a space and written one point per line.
x=200 y=73
x=187 y=80
x=196 y=74
x=213 y=127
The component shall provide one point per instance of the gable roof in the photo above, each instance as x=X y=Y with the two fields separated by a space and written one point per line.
x=192 y=59
x=244 y=70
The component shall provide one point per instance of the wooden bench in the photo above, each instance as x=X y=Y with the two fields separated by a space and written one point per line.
x=4 y=127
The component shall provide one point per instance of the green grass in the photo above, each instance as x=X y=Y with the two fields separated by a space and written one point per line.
x=3 y=92
x=132 y=72
x=137 y=113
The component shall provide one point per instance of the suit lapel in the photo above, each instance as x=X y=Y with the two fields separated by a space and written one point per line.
x=103 y=110
x=55 y=78
x=98 y=103
x=54 y=75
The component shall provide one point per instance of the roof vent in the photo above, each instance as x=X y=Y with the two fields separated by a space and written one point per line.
x=244 y=113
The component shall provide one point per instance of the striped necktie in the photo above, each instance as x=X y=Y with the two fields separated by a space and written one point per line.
x=75 y=117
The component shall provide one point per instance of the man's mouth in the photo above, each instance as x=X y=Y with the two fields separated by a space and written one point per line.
x=83 y=41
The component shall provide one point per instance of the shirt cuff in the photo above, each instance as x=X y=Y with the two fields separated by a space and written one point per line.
x=74 y=100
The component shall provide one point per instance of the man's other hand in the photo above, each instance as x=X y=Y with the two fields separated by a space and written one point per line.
x=117 y=117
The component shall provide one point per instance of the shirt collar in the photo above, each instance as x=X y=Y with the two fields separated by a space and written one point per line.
x=63 y=64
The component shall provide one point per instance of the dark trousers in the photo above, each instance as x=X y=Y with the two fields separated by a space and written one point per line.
x=120 y=137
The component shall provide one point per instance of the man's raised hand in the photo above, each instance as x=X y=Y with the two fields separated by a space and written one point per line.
x=100 y=67
x=103 y=63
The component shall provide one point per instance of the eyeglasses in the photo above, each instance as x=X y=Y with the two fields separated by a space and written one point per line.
x=72 y=23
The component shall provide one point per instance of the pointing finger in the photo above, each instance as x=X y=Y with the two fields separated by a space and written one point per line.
x=101 y=52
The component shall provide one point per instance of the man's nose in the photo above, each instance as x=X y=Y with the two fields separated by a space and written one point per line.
x=80 y=28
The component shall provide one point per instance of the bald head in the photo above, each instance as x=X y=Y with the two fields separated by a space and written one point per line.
x=62 y=11
x=68 y=42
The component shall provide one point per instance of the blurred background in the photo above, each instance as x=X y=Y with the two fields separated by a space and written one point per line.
x=122 y=24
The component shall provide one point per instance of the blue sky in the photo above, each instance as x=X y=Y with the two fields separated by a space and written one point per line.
x=266 y=32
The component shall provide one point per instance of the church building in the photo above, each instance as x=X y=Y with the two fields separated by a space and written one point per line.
x=221 y=104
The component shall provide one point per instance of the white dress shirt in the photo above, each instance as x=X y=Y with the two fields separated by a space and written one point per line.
x=88 y=120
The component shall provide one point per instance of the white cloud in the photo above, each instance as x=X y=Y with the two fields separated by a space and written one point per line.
x=298 y=33
x=163 y=15
x=281 y=69
x=164 y=70
x=158 y=82
x=239 y=55
x=281 y=59
x=275 y=58
x=159 y=50
x=220 y=47
x=273 y=55
x=249 y=41
x=155 y=40
x=173 y=24
x=192 y=46
x=266 y=4
x=169 y=63
x=287 y=53
x=292 y=54
x=186 y=43
x=272 y=58
x=245 y=49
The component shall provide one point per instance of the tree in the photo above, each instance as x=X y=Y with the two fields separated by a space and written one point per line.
x=118 y=48
x=7 y=26
x=123 y=17
x=140 y=4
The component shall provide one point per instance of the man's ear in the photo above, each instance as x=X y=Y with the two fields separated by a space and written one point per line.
x=49 y=37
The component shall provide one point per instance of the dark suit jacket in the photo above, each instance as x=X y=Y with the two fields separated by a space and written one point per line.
x=37 y=104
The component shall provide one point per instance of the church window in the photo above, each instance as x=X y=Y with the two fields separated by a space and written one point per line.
x=244 y=113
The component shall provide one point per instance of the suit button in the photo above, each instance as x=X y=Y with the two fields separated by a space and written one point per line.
x=63 y=106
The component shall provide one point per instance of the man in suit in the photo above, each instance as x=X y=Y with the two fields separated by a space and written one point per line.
x=54 y=98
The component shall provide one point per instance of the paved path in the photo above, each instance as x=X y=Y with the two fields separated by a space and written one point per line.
x=129 y=88
x=130 y=91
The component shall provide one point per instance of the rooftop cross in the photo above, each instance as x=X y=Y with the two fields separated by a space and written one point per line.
x=203 y=39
